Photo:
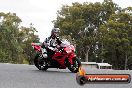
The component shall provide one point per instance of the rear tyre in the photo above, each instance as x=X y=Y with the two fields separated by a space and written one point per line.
x=75 y=67
x=40 y=63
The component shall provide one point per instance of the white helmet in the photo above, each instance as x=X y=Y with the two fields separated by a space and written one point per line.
x=55 y=31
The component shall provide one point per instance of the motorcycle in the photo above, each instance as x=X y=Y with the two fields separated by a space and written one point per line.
x=62 y=59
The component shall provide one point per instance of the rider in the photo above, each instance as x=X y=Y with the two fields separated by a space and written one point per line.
x=51 y=43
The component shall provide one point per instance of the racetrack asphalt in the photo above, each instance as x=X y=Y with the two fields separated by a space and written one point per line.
x=28 y=76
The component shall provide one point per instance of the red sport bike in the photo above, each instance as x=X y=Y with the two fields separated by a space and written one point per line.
x=62 y=59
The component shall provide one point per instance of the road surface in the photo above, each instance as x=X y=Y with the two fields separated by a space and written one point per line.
x=28 y=76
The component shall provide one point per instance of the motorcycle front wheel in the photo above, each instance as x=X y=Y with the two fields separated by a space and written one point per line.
x=75 y=66
x=40 y=62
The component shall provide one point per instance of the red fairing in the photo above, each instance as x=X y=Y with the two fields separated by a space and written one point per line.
x=71 y=57
x=36 y=47
x=60 y=60
x=67 y=53
x=69 y=49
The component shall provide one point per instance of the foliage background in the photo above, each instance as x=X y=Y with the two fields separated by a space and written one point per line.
x=101 y=32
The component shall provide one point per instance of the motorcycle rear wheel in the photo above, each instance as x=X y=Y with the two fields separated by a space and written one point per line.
x=40 y=63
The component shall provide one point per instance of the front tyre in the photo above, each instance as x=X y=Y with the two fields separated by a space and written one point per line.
x=75 y=67
x=40 y=62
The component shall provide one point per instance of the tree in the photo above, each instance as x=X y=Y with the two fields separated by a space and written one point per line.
x=26 y=37
x=9 y=44
x=82 y=21
x=101 y=31
x=15 y=40
x=116 y=37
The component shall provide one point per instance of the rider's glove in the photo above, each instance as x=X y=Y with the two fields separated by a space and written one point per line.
x=58 y=46
x=45 y=44
x=55 y=50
